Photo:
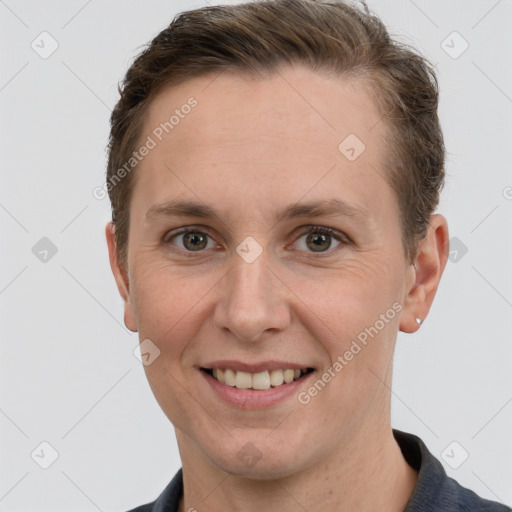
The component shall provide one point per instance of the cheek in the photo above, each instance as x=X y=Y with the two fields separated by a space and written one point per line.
x=353 y=314
x=353 y=318
x=172 y=303
x=350 y=296
x=167 y=304
x=168 y=312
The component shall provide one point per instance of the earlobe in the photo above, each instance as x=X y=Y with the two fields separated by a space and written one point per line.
x=426 y=274
x=121 y=278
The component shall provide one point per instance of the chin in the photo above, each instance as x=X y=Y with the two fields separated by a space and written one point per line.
x=250 y=462
x=261 y=470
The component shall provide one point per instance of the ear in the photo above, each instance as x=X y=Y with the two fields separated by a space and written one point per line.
x=425 y=274
x=121 y=278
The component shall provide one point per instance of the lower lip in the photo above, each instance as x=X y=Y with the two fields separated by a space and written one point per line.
x=253 y=398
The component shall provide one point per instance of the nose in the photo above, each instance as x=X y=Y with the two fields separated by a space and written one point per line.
x=252 y=300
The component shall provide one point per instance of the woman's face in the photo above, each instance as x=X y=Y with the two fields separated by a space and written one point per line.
x=250 y=285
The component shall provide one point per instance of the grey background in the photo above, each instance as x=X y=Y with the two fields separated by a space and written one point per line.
x=68 y=375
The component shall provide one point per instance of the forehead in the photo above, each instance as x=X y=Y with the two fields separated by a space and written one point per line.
x=261 y=135
x=333 y=105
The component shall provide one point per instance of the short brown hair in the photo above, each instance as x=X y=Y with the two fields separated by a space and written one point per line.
x=325 y=35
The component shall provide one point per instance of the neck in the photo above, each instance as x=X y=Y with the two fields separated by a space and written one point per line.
x=370 y=475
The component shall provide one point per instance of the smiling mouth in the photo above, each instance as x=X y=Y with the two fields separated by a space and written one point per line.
x=256 y=381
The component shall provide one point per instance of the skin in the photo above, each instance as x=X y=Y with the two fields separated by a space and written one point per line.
x=253 y=146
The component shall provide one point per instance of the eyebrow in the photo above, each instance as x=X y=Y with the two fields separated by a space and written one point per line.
x=328 y=208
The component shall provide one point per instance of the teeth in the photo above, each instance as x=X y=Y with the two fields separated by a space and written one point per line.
x=261 y=381
x=243 y=380
x=276 y=377
x=229 y=377
x=288 y=375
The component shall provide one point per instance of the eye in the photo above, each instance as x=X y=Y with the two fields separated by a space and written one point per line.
x=319 y=239
x=192 y=240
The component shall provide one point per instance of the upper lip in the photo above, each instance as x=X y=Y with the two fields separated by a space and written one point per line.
x=254 y=367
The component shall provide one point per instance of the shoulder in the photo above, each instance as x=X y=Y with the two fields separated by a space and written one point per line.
x=435 y=490
x=144 y=508
x=169 y=499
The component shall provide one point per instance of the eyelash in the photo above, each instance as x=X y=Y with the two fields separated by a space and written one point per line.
x=340 y=237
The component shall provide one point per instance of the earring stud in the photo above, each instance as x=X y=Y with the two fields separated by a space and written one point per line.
x=418 y=321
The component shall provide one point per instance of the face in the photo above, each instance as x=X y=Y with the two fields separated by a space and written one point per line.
x=292 y=252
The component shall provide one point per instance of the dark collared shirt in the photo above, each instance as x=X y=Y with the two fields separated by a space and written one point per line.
x=434 y=491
